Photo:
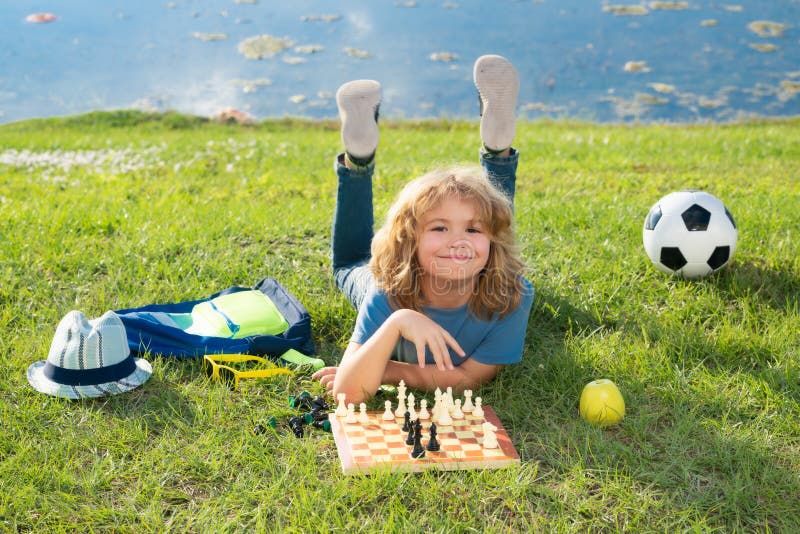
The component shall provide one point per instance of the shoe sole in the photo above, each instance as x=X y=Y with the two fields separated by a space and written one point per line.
x=498 y=86
x=358 y=101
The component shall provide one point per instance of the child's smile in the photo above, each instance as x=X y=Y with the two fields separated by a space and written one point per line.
x=453 y=244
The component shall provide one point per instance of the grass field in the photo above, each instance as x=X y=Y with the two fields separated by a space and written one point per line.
x=114 y=210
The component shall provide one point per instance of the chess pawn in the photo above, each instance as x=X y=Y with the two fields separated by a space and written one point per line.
x=467 y=407
x=351 y=414
x=341 y=409
x=363 y=418
x=478 y=410
x=388 y=415
x=457 y=413
x=410 y=407
x=423 y=409
x=401 y=405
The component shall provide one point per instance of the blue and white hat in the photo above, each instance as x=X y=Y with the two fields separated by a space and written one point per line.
x=89 y=359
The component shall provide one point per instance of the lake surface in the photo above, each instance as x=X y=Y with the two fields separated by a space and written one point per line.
x=586 y=59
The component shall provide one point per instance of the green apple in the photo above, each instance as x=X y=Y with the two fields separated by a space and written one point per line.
x=602 y=403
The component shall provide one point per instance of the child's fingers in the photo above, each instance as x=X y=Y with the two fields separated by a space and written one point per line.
x=327 y=384
x=326 y=379
x=443 y=354
x=325 y=371
x=420 y=353
x=438 y=349
x=453 y=343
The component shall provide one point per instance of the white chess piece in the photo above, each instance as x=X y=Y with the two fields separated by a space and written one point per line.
x=478 y=410
x=467 y=407
x=489 y=436
x=410 y=408
x=450 y=405
x=363 y=418
x=341 y=409
x=401 y=405
x=423 y=409
x=351 y=414
x=444 y=417
x=388 y=415
x=437 y=405
x=401 y=389
x=457 y=413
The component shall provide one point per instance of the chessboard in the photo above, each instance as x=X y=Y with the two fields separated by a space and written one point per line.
x=381 y=444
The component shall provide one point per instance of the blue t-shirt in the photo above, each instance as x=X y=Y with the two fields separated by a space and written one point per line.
x=492 y=342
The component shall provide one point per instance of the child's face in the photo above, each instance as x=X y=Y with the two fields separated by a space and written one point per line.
x=453 y=244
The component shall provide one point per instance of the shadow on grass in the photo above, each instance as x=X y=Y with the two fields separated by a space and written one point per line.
x=777 y=288
x=157 y=403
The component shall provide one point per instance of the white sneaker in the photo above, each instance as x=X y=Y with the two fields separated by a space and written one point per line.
x=498 y=87
x=358 y=103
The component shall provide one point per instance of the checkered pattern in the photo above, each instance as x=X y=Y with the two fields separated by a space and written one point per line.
x=382 y=444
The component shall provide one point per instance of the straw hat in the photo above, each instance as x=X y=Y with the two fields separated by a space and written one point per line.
x=89 y=359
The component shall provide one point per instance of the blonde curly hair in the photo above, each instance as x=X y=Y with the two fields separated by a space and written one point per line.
x=394 y=263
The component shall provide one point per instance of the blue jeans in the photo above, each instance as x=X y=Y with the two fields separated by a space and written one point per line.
x=353 y=220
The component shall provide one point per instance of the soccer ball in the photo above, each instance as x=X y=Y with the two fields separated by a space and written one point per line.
x=689 y=233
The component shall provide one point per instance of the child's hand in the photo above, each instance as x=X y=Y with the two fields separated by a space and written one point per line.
x=326 y=375
x=424 y=332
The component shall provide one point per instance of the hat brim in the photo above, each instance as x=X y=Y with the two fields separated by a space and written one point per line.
x=44 y=385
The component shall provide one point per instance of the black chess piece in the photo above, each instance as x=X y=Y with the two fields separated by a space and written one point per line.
x=323 y=425
x=319 y=414
x=418 y=451
x=410 y=437
x=319 y=404
x=406 y=422
x=301 y=401
x=297 y=424
x=433 y=443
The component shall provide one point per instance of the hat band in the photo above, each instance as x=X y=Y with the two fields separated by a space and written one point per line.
x=90 y=377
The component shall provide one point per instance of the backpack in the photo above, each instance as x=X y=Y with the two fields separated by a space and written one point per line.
x=222 y=324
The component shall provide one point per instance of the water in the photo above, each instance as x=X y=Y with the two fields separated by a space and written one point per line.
x=699 y=63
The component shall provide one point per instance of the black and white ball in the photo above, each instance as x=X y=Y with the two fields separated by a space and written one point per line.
x=689 y=233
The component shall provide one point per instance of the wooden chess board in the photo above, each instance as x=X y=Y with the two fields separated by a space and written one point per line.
x=382 y=445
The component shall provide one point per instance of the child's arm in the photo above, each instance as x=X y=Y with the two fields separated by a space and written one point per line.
x=363 y=367
x=471 y=374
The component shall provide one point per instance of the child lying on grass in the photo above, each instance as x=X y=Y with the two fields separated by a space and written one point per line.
x=439 y=289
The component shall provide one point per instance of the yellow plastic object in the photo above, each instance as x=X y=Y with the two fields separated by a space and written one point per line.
x=224 y=373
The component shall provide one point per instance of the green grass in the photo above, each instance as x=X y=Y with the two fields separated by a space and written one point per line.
x=176 y=208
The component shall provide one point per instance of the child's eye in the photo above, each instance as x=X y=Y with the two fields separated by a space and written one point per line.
x=474 y=230
x=438 y=229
